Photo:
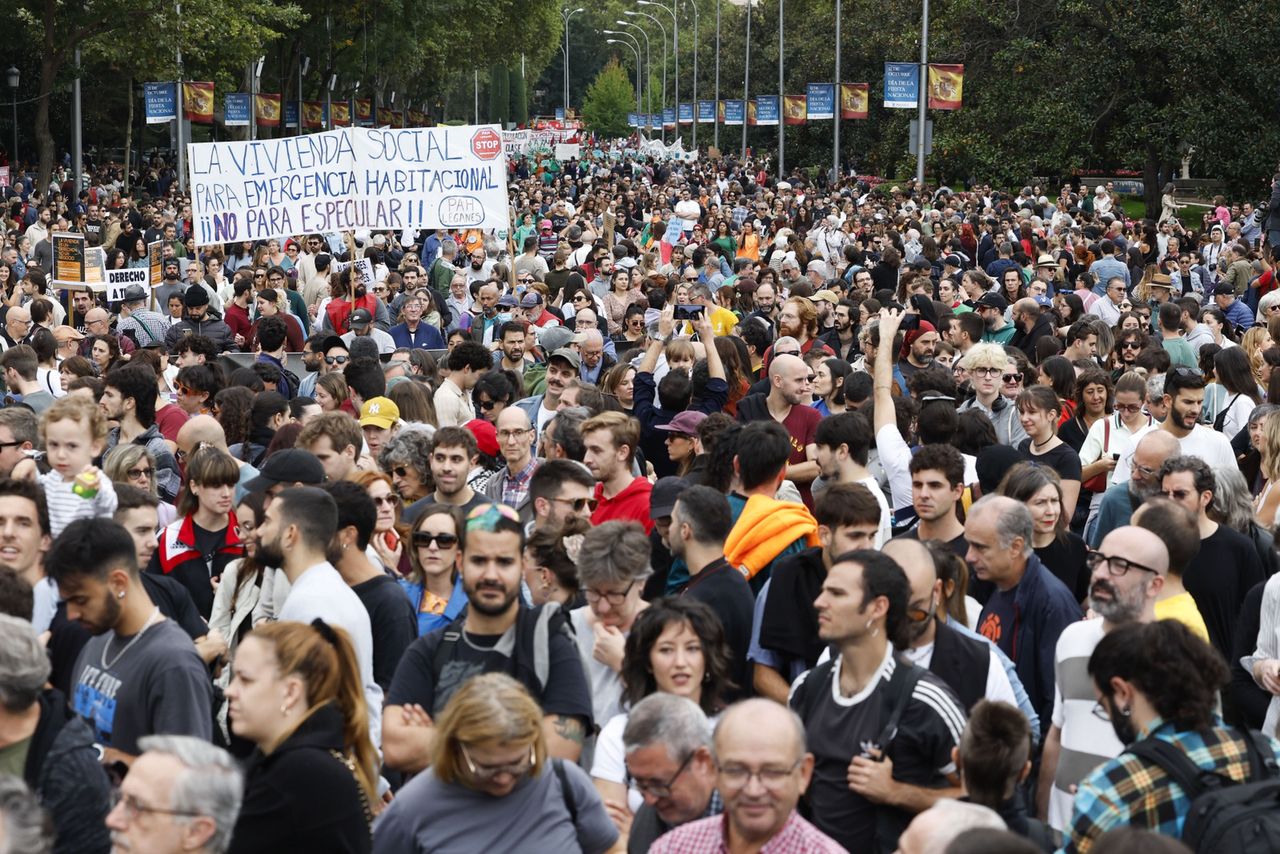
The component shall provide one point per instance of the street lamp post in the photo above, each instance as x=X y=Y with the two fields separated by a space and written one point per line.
x=663 y=28
x=675 y=51
x=746 y=83
x=782 y=120
x=716 y=114
x=635 y=48
x=566 y=14
x=696 y=43
x=648 y=57
x=835 y=118
x=14 y=78
x=922 y=96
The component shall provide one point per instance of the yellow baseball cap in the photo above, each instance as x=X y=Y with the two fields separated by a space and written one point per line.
x=379 y=412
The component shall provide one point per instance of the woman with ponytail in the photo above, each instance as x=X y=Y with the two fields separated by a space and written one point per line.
x=311 y=782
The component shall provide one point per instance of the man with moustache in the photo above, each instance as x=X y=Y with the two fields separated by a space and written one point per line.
x=495 y=634
x=1128 y=575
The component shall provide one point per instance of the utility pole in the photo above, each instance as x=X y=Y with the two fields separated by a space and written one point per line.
x=746 y=84
x=922 y=95
x=835 y=113
x=716 y=114
x=782 y=120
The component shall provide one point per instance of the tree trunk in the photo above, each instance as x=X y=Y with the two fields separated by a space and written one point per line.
x=1151 y=181
x=128 y=131
x=44 y=138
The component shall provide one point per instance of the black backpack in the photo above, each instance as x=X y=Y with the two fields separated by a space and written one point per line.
x=1240 y=818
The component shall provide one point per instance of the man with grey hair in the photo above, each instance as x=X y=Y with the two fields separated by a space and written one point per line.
x=23 y=824
x=181 y=795
x=668 y=755
x=1027 y=606
x=50 y=748
x=442 y=270
x=595 y=361
x=933 y=830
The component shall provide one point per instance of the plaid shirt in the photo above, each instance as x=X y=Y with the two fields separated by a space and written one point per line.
x=515 y=487
x=710 y=836
x=1129 y=792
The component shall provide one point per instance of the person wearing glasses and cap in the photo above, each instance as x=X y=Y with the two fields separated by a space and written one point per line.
x=541 y=653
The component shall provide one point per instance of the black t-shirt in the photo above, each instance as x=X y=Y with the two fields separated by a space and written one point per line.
x=1073 y=432
x=727 y=592
x=565 y=692
x=1218 y=578
x=1064 y=557
x=1063 y=459
x=393 y=621
x=838 y=729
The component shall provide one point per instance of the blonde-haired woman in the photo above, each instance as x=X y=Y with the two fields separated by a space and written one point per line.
x=1268 y=502
x=311 y=782
x=491 y=783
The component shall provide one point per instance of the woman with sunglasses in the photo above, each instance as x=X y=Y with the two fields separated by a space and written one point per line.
x=404 y=457
x=677 y=647
x=433 y=583
x=1129 y=343
x=386 y=543
x=134 y=465
x=491 y=785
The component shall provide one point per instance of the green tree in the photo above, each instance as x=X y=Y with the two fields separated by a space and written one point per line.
x=519 y=109
x=609 y=98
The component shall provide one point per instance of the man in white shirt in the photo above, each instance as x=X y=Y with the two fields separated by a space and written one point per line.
x=1107 y=309
x=1184 y=396
x=293 y=535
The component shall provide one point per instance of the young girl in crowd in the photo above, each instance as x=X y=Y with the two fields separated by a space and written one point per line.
x=74 y=432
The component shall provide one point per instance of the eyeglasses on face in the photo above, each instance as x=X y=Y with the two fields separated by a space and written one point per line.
x=488 y=772
x=424 y=539
x=134 y=474
x=386 y=501
x=1116 y=566
x=1012 y=378
x=133 y=808
x=739 y=776
x=660 y=789
x=613 y=597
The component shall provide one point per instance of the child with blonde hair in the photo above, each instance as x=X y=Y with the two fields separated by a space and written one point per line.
x=73 y=431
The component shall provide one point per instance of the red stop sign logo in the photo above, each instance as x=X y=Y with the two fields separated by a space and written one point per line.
x=486 y=144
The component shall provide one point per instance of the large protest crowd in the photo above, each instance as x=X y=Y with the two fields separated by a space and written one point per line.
x=706 y=509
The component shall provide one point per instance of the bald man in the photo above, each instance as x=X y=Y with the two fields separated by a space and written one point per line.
x=510 y=486
x=98 y=322
x=1029 y=607
x=790 y=393
x=1142 y=469
x=204 y=430
x=1128 y=575
x=968 y=664
x=755 y=738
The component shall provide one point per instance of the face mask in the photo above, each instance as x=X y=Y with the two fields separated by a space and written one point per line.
x=504 y=317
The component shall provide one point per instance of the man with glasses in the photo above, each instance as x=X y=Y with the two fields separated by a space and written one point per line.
x=411 y=332
x=1029 y=607
x=1190 y=278
x=495 y=634
x=1227 y=565
x=480 y=267
x=511 y=485
x=1128 y=574
x=870 y=778
x=181 y=795
x=667 y=744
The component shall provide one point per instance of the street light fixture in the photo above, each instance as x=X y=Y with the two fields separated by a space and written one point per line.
x=14 y=78
x=566 y=14
x=635 y=48
x=662 y=27
x=675 y=51
x=648 y=59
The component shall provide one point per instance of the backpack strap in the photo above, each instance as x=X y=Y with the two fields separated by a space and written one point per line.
x=1173 y=761
x=448 y=644
x=895 y=699
x=570 y=799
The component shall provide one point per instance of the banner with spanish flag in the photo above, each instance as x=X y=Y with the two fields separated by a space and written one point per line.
x=397 y=118
x=417 y=119
x=384 y=117
x=720 y=111
x=854 y=98
x=946 y=86
x=364 y=111
x=313 y=114
x=751 y=112
x=197 y=102
x=794 y=109
x=266 y=110
x=340 y=113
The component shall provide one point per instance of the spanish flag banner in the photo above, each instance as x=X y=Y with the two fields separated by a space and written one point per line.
x=364 y=111
x=854 y=98
x=385 y=119
x=946 y=85
x=313 y=114
x=197 y=102
x=340 y=113
x=397 y=118
x=266 y=110
x=751 y=112
x=794 y=109
x=417 y=119
x=720 y=111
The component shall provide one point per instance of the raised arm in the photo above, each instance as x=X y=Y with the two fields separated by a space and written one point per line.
x=882 y=379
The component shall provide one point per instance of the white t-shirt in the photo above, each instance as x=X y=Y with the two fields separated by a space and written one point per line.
x=610 y=760
x=605 y=683
x=1203 y=442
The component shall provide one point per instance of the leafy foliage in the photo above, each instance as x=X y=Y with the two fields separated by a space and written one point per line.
x=608 y=101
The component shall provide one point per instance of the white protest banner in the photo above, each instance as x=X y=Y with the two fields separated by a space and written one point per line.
x=363 y=270
x=119 y=280
x=568 y=151
x=375 y=178
x=516 y=142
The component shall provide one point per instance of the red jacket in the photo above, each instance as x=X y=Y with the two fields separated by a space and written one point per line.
x=339 y=310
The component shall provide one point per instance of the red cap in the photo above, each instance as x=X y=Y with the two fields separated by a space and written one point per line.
x=486 y=436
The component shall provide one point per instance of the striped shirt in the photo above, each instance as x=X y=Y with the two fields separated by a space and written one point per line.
x=65 y=506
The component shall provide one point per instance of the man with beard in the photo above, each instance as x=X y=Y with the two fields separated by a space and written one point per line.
x=843 y=338
x=868 y=779
x=1157 y=681
x=494 y=634
x=511 y=353
x=292 y=537
x=140 y=673
x=790 y=392
x=1128 y=574
x=918 y=347
x=766 y=303
x=991 y=308
x=799 y=320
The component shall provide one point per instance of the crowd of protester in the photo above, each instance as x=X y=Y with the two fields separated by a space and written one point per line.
x=856 y=517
